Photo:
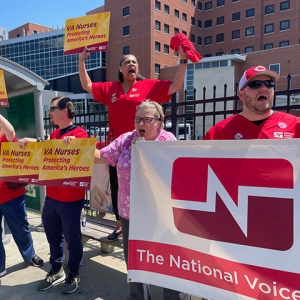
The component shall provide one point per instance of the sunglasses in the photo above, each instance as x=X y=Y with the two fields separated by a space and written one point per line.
x=53 y=108
x=256 y=84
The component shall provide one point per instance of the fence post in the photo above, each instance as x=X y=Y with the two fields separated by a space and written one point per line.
x=174 y=113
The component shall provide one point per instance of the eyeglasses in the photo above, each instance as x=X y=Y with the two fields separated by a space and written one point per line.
x=256 y=84
x=146 y=120
x=53 y=108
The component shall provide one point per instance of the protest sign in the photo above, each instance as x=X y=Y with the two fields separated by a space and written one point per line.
x=3 y=93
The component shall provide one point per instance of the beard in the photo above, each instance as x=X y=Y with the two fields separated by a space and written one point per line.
x=257 y=107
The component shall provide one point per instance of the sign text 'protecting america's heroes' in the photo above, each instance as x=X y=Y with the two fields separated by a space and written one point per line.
x=222 y=218
x=3 y=93
x=91 y=31
x=67 y=165
x=20 y=165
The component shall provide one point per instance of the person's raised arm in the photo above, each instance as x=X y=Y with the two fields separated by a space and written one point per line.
x=8 y=129
x=179 y=76
x=84 y=77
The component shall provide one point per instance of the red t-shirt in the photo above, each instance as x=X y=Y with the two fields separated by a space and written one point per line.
x=7 y=194
x=122 y=107
x=278 y=126
x=60 y=193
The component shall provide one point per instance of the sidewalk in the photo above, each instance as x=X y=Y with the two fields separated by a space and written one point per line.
x=103 y=276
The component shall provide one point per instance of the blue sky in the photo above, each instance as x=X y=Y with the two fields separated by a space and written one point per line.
x=15 y=13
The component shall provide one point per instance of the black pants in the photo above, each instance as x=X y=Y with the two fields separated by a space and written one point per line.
x=114 y=187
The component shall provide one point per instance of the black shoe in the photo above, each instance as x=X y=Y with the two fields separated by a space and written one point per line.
x=114 y=235
x=37 y=261
x=71 y=283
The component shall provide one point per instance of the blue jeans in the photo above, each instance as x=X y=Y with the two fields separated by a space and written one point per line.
x=14 y=212
x=61 y=221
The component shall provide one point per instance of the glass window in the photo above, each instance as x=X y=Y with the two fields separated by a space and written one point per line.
x=185 y=1
x=166 y=49
x=208 y=23
x=220 y=20
x=126 y=50
x=193 y=38
x=236 y=16
x=184 y=17
x=284 y=25
x=193 y=3
x=166 y=29
x=268 y=46
x=176 y=13
x=269 y=9
x=235 y=0
x=216 y=64
x=284 y=43
x=235 y=51
x=199 y=24
x=176 y=30
x=157 y=68
x=126 y=11
x=208 y=40
x=208 y=5
x=126 y=30
x=193 y=21
x=249 y=31
x=157 y=46
x=184 y=32
x=199 y=5
x=167 y=9
x=157 y=5
x=220 y=3
x=275 y=67
x=157 y=25
x=199 y=40
x=284 y=5
x=220 y=38
x=249 y=49
x=235 y=34
x=250 y=13
x=269 y=28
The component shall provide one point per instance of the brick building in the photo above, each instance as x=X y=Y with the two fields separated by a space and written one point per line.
x=27 y=29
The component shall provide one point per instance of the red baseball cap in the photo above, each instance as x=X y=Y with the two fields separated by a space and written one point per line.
x=254 y=71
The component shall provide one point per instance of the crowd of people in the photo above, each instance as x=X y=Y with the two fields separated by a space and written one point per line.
x=134 y=114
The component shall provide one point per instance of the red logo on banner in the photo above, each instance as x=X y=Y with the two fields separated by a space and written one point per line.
x=241 y=201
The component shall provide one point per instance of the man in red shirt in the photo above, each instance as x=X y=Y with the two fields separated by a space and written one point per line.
x=63 y=206
x=257 y=119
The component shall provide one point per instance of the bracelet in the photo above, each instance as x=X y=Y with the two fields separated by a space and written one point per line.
x=39 y=139
x=183 y=61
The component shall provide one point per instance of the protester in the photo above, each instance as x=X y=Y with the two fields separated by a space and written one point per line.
x=148 y=122
x=12 y=207
x=63 y=206
x=257 y=119
x=122 y=97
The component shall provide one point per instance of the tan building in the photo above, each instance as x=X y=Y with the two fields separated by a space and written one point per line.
x=28 y=29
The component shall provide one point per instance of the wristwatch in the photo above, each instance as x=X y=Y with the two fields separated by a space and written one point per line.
x=39 y=139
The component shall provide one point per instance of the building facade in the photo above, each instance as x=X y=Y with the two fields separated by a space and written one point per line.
x=28 y=29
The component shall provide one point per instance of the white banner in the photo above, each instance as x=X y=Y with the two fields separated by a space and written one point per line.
x=217 y=219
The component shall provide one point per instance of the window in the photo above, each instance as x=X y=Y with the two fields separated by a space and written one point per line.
x=284 y=5
x=284 y=43
x=157 y=68
x=235 y=34
x=269 y=9
x=185 y=1
x=193 y=38
x=193 y=21
x=208 y=40
x=250 y=13
x=166 y=49
x=167 y=9
x=220 y=38
x=157 y=46
x=220 y=20
x=157 y=25
x=35 y=32
x=184 y=17
x=249 y=31
x=176 y=30
x=220 y=3
x=126 y=50
x=269 y=28
x=199 y=40
x=236 y=16
x=166 y=29
x=208 y=5
x=126 y=30
x=176 y=54
x=284 y=25
x=217 y=54
x=157 y=5
x=275 y=67
x=268 y=46
x=206 y=55
x=184 y=32
x=176 y=13
x=193 y=3
x=199 y=5
x=199 y=24
x=126 y=11
x=249 y=49
x=208 y=23
x=235 y=0
x=235 y=51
